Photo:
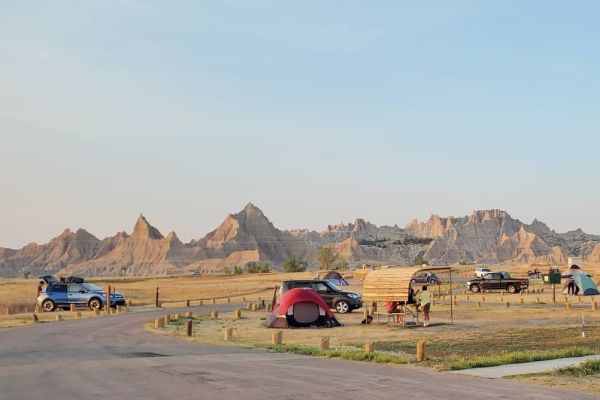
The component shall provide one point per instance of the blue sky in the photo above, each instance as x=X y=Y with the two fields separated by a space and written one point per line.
x=318 y=112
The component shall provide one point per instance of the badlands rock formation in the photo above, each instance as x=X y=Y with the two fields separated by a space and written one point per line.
x=67 y=248
x=489 y=236
x=493 y=236
x=249 y=236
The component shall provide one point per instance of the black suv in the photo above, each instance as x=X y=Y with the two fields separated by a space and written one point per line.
x=338 y=300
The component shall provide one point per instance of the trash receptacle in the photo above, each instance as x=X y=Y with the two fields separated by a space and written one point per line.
x=552 y=277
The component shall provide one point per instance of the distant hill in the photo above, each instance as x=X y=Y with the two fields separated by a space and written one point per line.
x=485 y=236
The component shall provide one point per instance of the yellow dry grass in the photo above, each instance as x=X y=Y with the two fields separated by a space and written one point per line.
x=19 y=294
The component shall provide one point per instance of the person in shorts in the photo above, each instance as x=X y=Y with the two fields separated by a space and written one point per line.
x=425 y=300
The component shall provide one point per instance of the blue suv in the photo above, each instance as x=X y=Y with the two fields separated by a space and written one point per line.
x=62 y=294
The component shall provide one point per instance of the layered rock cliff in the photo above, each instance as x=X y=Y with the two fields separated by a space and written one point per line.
x=488 y=236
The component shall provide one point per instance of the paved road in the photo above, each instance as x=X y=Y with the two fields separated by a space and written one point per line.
x=115 y=358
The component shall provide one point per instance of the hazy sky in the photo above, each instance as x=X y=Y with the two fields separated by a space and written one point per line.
x=318 y=112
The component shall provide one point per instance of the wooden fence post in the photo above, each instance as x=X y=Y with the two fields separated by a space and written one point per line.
x=214 y=301
x=58 y=317
x=421 y=350
x=167 y=319
x=188 y=327
x=369 y=347
x=156 y=300
x=214 y=314
x=107 y=305
x=158 y=323
x=594 y=306
x=187 y=303
x=277 y=338
x=238 y=313
x=73 y=307
x=324 y=344
x=35 y=318
x=227 y=334
x=188 y=314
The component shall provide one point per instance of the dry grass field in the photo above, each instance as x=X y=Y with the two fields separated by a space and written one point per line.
x=18 y=295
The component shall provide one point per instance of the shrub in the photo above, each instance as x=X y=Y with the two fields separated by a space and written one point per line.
x=237 y=270
x=295 y=265
x=256 y=267
x=420 y=261
x=341 y=265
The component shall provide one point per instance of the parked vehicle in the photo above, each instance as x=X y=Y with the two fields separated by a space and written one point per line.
x=62 y=294
x=335 y=298
x=426 y=277
x=479 y=272
x=498 y=281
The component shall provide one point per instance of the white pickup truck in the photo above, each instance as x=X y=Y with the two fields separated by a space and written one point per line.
x=479 y=272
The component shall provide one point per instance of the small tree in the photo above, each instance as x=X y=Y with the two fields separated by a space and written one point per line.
x=295 y=265
x=326 y=257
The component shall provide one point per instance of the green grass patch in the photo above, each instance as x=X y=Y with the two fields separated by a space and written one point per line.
x=347 y=353
x=586 y=368
x=513 y=357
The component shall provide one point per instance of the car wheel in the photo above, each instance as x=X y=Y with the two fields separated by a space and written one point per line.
x=48 y=305
x=511 y=289
x=342 y=307
x=95 y=303
x=475 y=288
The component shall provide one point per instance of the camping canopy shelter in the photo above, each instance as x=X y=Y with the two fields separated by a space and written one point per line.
x=393 y=283
x=301 y=308
x=336 y=278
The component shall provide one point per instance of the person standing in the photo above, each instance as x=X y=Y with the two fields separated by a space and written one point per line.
x=40 y=288
x=425 y=300
x=571 y=286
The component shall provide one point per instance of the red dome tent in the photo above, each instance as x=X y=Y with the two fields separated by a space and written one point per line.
x=301 y=308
